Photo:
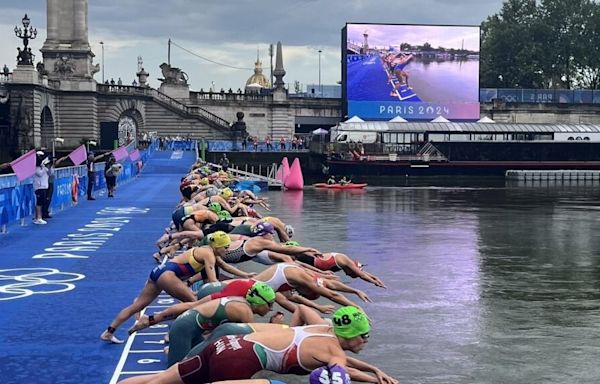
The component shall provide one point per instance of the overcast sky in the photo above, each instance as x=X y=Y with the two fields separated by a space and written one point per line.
x=230 y=32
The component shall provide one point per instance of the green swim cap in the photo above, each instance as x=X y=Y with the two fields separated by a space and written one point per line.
x=224 y=215
x=260 y=294
x=292 y=243
x=349 y=322
x=215 y=207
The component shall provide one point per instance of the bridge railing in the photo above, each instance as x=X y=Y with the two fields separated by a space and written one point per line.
x=161 y=97
x=5 y=77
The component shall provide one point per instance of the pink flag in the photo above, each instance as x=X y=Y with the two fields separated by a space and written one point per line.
x=79 y=155
x=24 y=166
x=120 y=153
x=134 y=155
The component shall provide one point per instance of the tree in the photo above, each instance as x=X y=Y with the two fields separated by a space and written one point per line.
x=510 y=53
x=588 y=72
x=547 y=43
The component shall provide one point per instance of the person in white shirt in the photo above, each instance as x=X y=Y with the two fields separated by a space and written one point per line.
x=40 y=185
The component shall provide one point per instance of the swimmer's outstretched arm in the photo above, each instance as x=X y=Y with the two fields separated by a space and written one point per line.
x=339 y=286
x=233 y=270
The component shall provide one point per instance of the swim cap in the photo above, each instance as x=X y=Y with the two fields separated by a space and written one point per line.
x=204 y=181
x=226 y=193
x=260 y=293
x=225 y=216
x=289 y=230
x=219 y=239
x=330 y=375
x=349 y=322
x=292 y=243
x=215 y=207
x=211 y=192
x=261 y=229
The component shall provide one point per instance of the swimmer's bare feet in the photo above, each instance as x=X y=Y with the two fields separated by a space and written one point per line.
x=143 y=322
x=110 y=338
x=157 y=257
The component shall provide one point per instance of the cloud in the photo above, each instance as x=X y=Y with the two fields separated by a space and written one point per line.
x=229 y=32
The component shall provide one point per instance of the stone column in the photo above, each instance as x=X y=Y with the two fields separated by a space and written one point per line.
x=52 y=20
x=80 y=15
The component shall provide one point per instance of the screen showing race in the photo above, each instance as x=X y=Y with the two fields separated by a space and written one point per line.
x=418 y=72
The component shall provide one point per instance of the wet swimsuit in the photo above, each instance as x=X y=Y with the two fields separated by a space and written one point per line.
x=235 y=358
x=186 y=331
x=240 y=255
x=243 y=229
x=224 y=330
x=180 y=215
x=181 y=270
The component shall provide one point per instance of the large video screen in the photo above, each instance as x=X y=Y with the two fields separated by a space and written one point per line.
x=418 y=72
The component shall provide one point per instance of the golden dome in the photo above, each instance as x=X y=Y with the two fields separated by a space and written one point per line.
x=258 y=77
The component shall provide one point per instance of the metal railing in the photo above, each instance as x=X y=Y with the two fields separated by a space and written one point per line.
x=270 y=172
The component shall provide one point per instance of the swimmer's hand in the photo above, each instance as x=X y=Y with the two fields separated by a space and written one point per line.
x=363 y=296
x=384 y=378
x=327 y=309
x=250 y=275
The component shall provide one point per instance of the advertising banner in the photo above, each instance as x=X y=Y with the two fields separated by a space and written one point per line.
x=418 y=72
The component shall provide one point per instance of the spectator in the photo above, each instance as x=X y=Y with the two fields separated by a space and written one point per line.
x=295 y=143
x=282 y=143
x=268 y=142
x=244 y=143
x=50 y=192
x=255 y=143
x=91 y=173
x=111 y=171
x=224 y=162
x=112 y=81
x=40 y=186
x=300 y=143
x=119 y=82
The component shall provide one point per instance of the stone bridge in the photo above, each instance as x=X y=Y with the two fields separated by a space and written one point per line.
x=33 y=113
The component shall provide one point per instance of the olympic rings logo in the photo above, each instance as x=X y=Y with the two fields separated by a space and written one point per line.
x=23 y=282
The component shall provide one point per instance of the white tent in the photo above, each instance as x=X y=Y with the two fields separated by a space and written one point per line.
x=320 y=131
x=440 y=119
x=398 y=119
x=485 y=119
x=354 y=119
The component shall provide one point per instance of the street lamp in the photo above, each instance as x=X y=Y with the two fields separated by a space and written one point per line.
x=102 y=44
x=25 y=56
x=56 y=140
x=320 y=89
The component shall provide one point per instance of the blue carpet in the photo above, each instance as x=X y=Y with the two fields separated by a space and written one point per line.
x=61 y=284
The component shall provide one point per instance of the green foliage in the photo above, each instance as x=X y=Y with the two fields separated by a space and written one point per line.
x=542 y=44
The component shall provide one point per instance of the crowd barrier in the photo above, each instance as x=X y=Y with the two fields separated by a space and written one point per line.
x=17 y=199
x=179 y=145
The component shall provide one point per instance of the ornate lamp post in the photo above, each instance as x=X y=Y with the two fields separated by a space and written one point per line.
x=25 y=57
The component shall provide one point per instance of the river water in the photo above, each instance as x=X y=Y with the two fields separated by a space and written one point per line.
x=487 y=284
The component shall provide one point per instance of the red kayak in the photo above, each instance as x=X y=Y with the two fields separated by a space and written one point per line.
x=340 y=186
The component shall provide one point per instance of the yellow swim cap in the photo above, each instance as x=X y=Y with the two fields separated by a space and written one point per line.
x=204 y=181
x=219 y=239
x=226 y=193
